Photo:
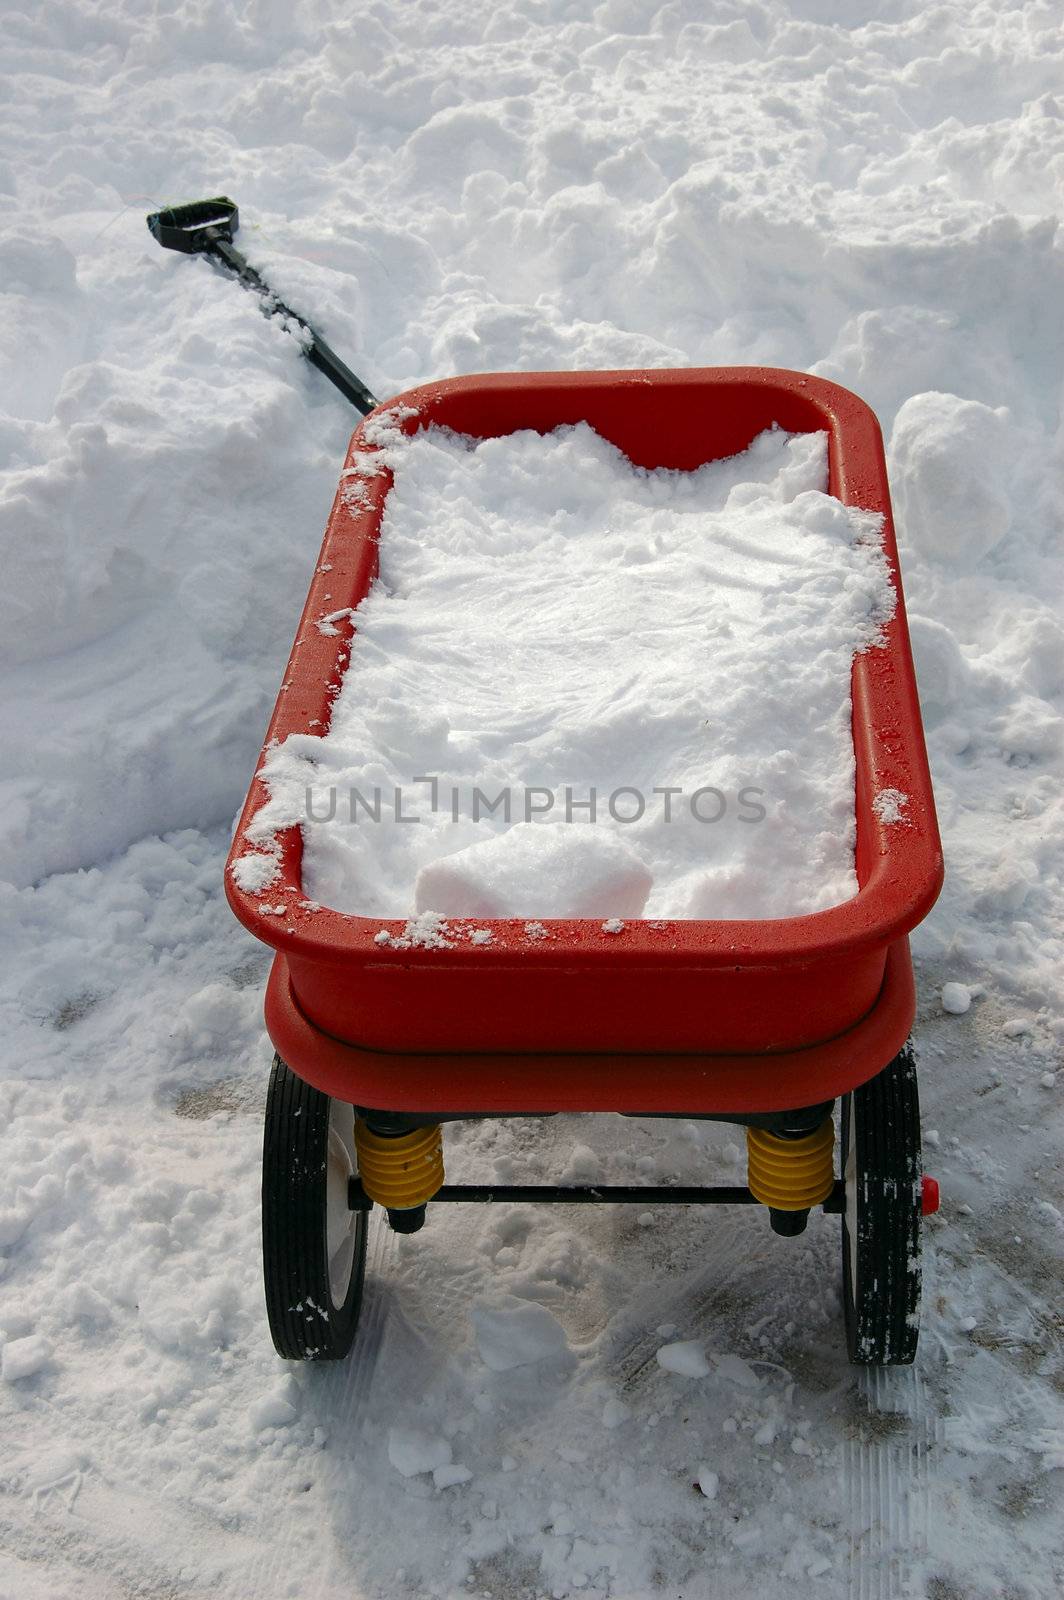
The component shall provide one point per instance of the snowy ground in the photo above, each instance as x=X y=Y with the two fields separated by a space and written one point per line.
x=527 y=183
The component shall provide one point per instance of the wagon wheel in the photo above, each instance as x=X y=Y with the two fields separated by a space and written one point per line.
x=313 y=1244
x=881 y=1222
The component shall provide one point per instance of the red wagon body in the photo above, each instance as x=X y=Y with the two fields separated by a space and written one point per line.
x=677 y=1016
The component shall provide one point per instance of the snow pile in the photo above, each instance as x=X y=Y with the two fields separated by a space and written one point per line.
x=140 y=613
x=657 y=662
x=982 y=567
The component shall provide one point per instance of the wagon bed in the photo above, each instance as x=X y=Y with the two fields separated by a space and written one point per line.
x=667 y=1015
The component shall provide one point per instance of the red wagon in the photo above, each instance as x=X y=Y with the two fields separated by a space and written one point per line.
x=760 y=1023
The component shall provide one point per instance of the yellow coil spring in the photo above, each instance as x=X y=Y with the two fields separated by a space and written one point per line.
x=401 y=1172
x=790 y=1174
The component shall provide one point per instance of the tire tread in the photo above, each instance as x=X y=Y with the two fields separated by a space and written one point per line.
x=295 y=1259
x=881 y=1321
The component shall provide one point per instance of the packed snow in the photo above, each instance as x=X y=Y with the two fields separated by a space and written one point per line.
x=686 y=1357
x=869 y=193
x=536 y=867
x=516 y=1335
x=412 y=1452
x=580 y=688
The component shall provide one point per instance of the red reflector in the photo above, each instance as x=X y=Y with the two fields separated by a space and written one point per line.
x=928 y=1195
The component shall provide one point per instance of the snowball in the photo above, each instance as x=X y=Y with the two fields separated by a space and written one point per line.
x=446 y=1477
x=956 y=998
x=736 y=1370
x=614 y=1412
x=590 y=873
x=273 y=1410
x=23 y=1357
x=516 y=1335
x=411 y=1451
x=951 y=476
x=686 y=1357
x=1015 y=1027
x=708 y=1482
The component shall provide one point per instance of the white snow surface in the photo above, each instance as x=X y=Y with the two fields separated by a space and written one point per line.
x=654 y=660
x=870 y=193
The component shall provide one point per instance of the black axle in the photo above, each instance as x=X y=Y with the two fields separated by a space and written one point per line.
x=206 y=227
x=793 y=1124
x=593 y=1194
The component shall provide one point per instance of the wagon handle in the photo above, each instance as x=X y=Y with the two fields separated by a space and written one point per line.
x=206 y=227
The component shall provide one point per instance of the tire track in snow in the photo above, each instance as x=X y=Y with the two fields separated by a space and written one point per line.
x=631 y=1346
x=886 y=1470
x=109 y=1536
x=344 y=1389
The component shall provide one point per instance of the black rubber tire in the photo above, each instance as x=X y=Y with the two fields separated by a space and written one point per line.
x=881 y=1223
x=306 y=1322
